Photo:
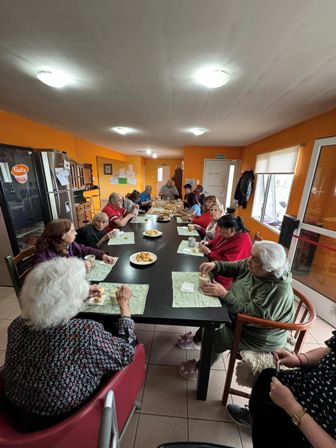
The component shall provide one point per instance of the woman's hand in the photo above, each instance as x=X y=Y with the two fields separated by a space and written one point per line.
x=123 y=295
x=197 y=226
x=283 y=397
x=286 y=358
x=203 y=249
x=205 y=268
x=214 y=289
x=108 y=259
x=94 y=291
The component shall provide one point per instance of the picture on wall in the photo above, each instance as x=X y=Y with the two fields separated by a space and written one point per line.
x=107 y=168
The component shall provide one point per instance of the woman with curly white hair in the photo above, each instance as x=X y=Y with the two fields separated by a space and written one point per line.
x=54 y=361
x=262 y=287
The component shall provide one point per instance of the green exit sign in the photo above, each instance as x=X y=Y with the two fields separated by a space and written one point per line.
x=219 y=156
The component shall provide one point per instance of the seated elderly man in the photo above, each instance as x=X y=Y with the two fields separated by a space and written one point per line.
x=55 y=362
x=262 y=288
x=145 y=198
x=169 y=191
x=117 y=215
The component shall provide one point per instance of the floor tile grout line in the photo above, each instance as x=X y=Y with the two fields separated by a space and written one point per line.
x=188 y=418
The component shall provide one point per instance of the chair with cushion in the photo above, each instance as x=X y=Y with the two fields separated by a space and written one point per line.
x=82 y=428
x=19 y=266
x=304 y=317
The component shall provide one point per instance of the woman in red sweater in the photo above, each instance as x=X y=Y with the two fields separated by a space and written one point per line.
x=233 y=243
x=204 y=220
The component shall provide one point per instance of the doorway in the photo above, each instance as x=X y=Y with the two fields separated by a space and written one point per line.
x=312 y=253
x=219 y=177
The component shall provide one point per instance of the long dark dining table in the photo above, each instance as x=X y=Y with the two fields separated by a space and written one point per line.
x=159 y=309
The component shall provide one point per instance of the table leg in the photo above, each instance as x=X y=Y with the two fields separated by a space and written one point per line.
x=205 y=361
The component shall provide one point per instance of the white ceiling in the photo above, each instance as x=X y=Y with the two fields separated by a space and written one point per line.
x=133 y=63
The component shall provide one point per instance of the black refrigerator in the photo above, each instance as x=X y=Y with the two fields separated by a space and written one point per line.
x=34 y=188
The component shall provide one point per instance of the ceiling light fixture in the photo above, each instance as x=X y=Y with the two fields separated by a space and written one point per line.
x=54 y=79
x=154 y=155
x=212 y=77
x=198 y=131
x=122 y=130
x=148 y=151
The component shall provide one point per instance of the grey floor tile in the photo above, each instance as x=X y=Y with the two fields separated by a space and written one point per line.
x=9 y=307
x=145 y=338
x=165 y=392
x=170 y=329
x=164 y=351
x=144 y=327
x=153 y=430
x=195 y=354
x=128 y=438
x=321 y=330
x=212 y=408
x=6 y=291
x=223 y=433
x=246 y=437
x=4 y=324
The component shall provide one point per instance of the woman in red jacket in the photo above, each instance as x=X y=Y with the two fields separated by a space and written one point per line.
x=204 y=220
x=233 y=243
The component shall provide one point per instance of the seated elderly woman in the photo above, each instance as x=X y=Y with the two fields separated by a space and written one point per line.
x=262 y=288
x=118 y=216
x=58 y=240
x=55 y=362
x=294 y=408
x=193 y=207
x=232 y=244
x=205 y=218
x=212 y=230
x=94 y=235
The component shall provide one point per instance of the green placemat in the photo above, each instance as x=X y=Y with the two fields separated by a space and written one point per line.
x=185 y=232
x=179 y=220
x=140 y=220
x=186 y=250
x=99 y=271
x=137 y=302
x=122 y=238
x=195 y=299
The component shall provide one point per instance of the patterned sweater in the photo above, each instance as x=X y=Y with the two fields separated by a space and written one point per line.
x=53 y=371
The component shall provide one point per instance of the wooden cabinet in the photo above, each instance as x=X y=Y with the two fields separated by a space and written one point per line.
x=84 y=214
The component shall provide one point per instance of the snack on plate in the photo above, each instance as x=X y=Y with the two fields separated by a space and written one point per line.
x=163 y=217
x=144 y=257
x=152 y=232
x=98 y=299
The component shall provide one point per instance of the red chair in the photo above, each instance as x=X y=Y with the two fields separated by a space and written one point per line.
x=82 y=428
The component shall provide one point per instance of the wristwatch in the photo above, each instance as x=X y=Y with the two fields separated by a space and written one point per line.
x=297 y=417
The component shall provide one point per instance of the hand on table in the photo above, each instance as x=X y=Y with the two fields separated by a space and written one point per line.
x=108 y=259
x=94 y=291
x=214 y=289
x=203 y=249
x=123 y=295
x=205 y=268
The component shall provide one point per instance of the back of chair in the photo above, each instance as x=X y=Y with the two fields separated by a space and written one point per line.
x=303 y=319
x=19 y=266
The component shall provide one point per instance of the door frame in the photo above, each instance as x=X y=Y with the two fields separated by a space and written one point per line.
x=325 y=308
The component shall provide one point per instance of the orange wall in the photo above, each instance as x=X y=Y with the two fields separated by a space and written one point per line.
x=151 y=166
x=303 y=134
x=194 y=159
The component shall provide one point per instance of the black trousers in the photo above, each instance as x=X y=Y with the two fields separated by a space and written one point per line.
x=272 y=427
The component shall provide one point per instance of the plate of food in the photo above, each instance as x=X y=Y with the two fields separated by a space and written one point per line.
x=152 y=233
x=163 y=218
x=143 y=258
x=191 y=250
x=98 y=299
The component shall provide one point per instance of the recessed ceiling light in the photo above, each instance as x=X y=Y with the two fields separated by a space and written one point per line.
x=154 y=155
x=148 y=151
x=122 y=130
x=212 y=77
x=54 y=79
x=198 y=131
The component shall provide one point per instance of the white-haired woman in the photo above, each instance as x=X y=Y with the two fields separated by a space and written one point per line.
x=94 y=235
x=262 y=288
x=55 y=362
x=212 y=230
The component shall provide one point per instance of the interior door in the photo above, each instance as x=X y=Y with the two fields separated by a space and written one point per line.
x=313 y=248
x=219 y=176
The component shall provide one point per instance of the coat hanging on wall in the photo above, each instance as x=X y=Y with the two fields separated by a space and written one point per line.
x=244 y=188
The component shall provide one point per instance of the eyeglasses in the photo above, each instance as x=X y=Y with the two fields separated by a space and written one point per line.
x=255 y=260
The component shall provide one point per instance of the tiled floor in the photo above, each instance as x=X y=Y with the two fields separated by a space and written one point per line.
x=170 y=411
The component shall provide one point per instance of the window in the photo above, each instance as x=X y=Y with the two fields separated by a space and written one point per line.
x=274 y=172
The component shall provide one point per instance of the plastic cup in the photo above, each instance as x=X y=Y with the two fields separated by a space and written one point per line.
x=203 y=280
x=115 y=233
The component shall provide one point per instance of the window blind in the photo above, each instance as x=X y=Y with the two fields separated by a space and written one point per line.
x=277 y=162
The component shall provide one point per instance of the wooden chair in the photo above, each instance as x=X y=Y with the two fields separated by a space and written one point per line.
x=304 y=317
x=19 y=266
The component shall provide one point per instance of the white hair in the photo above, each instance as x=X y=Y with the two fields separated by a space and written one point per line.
x=101 y=216
x=54 y=292
x=272 y=257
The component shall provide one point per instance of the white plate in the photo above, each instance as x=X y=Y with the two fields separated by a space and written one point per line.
x=163 y=220
x=93 y=303
x=142 y=263
x=191 y=250
x=152 y=236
